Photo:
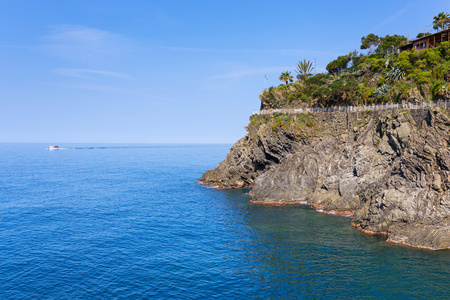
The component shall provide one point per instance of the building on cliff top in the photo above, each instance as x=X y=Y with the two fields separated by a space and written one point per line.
x=428 y=41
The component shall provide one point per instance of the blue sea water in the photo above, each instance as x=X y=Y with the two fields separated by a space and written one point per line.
x=129 y=221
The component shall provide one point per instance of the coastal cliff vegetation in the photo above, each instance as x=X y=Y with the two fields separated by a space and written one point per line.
x=411 y=76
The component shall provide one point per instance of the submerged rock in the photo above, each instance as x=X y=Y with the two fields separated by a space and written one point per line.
x=391 y=169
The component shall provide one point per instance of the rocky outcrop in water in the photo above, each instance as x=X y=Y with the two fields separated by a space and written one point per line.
x=390 y=170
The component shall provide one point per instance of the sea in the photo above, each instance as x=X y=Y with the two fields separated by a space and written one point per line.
x=129 y=221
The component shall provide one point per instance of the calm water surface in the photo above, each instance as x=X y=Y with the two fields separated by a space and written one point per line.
x=129 y=221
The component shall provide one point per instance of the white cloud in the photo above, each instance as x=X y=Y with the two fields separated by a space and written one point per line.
x=136 y=93
x=95 y=87
x=88 y=73
x=78 y=43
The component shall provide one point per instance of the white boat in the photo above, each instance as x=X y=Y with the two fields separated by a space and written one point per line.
x=53 y=147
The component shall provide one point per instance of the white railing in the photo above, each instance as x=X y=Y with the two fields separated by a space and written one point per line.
x=374 y=107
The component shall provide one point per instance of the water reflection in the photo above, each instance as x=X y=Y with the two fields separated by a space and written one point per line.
x=294 y=251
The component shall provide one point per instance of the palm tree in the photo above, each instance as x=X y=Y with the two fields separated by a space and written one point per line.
x=304 y=69
x=286 y=77
x=441 y=21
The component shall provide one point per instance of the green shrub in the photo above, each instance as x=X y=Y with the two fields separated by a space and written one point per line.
x=382 y=90
x=404 y=61
x=279 y=123
x=377 y=65
x=377 y=55
x=421 y=64
x=362 y=59
x=321 y=92
x=255 y=121
x=444 y=71
x=395 y=74
x=432 y=57
x=318 y=79
x=404 y=89
x=292 y=97
x=423 y=77
x=444 y=49
x=310 y=124
x=437 y=88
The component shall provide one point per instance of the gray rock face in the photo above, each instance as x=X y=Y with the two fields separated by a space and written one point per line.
x=251 y=156
x=390 y=169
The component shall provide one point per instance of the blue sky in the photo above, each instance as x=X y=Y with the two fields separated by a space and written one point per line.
x=168 y=71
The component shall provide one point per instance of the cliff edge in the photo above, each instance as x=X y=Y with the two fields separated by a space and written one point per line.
x=389 y=169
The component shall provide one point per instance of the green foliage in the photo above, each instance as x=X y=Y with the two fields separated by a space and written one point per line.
x=404 y=89
x=304 y=69
x=377 y=55
x=279 y=123
x=421 y=64
x=321 y=92
x=444 y=49
x=444 y=71
x=356 y=60
x=441 y=21
x=382 y=90
x=318 y=79
x=362 y=59
x=376 y=65
x=395 y=74
x=431 y=57
x=390 y=43
x=370 y=41
x=304 y=117
x=422 y=34
x=343 y=90
x=404 y=61
x=340 y=63
x=305 y=120
x=423 y=77
x=286 y=77
x=255 y=121
x=370 y=80
x=438 y=89
x=381 y=81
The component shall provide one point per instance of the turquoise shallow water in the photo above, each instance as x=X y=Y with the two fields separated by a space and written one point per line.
x=129 y=221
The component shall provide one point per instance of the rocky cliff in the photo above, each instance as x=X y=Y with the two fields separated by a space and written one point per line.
x=389 y=169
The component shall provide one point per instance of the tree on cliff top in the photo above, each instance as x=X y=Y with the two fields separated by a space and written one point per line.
x=388 y=41
x=286 y=77
x=304 y=69
x=442 y=21
x=370 y=41
x=422 y=34
x=341 y=62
